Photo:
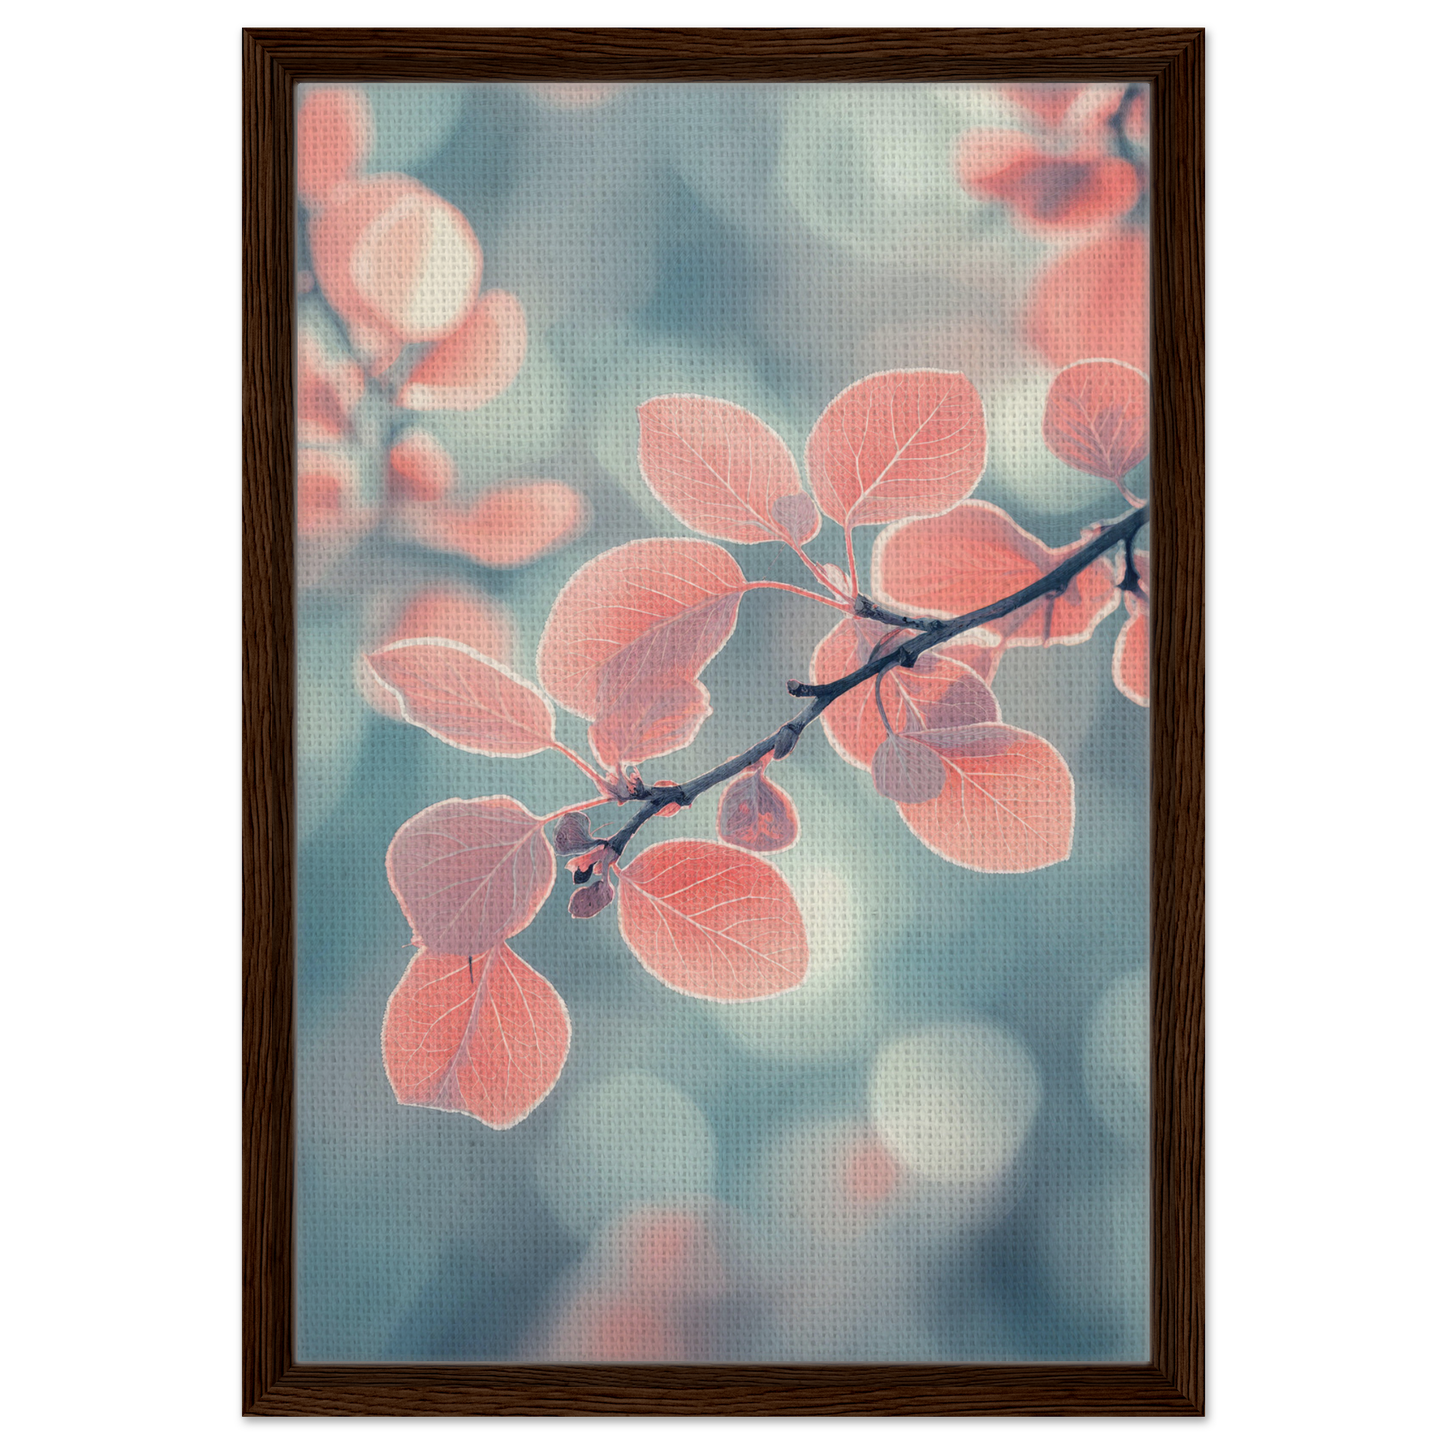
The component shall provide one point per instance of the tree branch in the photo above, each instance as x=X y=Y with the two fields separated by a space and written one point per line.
x=930 y=633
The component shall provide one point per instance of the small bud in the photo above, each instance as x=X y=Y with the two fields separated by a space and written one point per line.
x=787 y=741
x=590 y=901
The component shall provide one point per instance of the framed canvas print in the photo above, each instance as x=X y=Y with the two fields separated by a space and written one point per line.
x=723 y=722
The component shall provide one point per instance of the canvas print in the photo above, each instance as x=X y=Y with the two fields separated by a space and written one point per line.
x=723 y=631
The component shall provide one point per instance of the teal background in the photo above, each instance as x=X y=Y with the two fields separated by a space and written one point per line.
x=767 y=245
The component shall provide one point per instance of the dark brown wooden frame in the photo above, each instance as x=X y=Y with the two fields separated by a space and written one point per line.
x=1172 y=61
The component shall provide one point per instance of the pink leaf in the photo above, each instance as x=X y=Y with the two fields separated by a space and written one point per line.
x=455 y=613
x=469 y=873
x=1097 y=418
x=1049 y=101
x=333 y=138
x=396 y=262
x=465 y=699
x=1131 y=649
x=477 y=362
x=1095 y=302
x=797 y=517
x=486 y=1036
x=719 y=469
x=907 y=771
x=329 y=389
x=421 y=468
x=712 y=921
x=1046 y=192
x=971 y=740
x=899 y=444
x=963 y=703
x=628 y=636
x=852 y=722
x=1010 y=811
x=756 y=814
x=509 y=526
x=652 y=717
x=977 y=555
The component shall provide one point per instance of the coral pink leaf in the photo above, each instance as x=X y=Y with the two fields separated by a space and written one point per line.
x=1097 y=418
x=756 y=814
x=981 y=156
x=465 y=699
x=455 y=613
x=899 y=444
x=718 y=468
x=509 y=526
x=328 y=390
x=653 y=716
x=1046 y=192
x=1131 y=649
x=907 y=771
x=1095 y=302
x=966 y=701
x=485 y=1036
x=470 y=872
x=1010 y=811
x=970 y=740
x=477 y=362
x=333 y=138
x=421 y=468
x=712 y=921
x=978 y=554
x=1049 y=101
x=396 y=262
x=852 y=723
x=797 y=517
x=628 y=636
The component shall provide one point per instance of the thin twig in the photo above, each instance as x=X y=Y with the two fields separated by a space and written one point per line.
x=821 y=695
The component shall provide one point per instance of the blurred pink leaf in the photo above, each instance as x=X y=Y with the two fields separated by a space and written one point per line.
x=333 y=139
x=477 y=362
x=508 y=526
x=396 y=263
x=421 y=468
x=1094 y=302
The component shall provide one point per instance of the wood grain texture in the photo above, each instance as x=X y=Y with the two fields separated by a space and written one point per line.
x=1172 y=62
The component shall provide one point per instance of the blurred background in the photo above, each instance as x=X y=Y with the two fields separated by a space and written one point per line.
x=936 y=1148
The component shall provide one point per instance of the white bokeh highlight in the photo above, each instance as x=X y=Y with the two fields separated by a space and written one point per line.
x=955 y=1102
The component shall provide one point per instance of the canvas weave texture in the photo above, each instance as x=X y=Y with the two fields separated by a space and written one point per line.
x=723 y=683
